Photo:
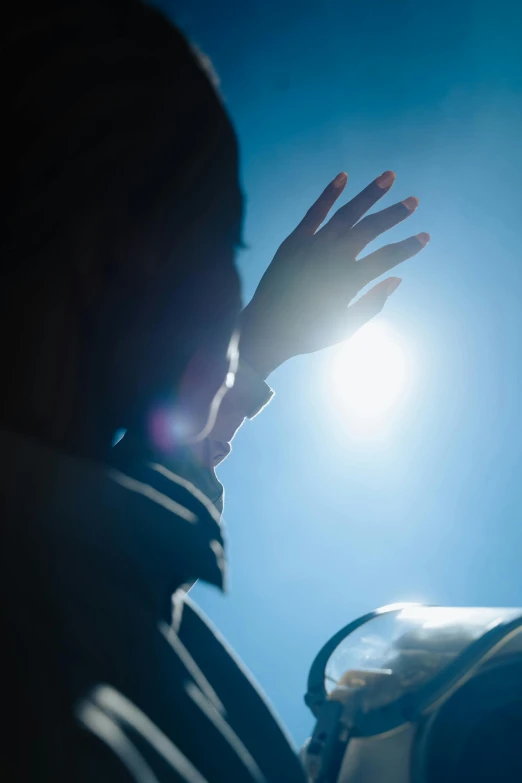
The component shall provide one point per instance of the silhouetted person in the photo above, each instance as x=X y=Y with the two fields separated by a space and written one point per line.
x=121 y=213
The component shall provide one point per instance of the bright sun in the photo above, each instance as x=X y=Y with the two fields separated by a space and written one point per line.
x=368 y=375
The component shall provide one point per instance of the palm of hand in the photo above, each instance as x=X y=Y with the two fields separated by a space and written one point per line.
x=301 y=303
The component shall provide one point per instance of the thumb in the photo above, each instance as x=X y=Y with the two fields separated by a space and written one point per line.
x=371 y=304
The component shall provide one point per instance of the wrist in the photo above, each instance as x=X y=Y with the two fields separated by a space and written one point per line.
x=256 y=347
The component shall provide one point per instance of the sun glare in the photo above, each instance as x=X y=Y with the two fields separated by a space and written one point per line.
x=368 y=375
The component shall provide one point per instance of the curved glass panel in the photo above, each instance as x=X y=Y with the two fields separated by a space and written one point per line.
x=400 y=650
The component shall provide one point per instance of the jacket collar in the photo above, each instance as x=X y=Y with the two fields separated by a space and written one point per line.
x=146 y=525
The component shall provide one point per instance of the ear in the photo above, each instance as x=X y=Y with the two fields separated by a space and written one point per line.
x=111 y=260
x=88 y=279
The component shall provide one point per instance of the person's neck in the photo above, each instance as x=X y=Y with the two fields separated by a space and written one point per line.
x=49 y=393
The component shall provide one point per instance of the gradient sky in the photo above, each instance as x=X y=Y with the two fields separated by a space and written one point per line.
x=324 y=526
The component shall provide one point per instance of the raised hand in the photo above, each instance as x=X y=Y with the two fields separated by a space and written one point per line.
x=301 y=303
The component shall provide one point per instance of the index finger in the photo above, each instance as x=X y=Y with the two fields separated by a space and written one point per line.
x=381 y=261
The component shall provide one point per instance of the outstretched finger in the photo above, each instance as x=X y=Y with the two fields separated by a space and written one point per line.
x=371 y=304
x=366 y=308
x=320 y=209
x=384 y=259
x=346 y=217
x=377 y=223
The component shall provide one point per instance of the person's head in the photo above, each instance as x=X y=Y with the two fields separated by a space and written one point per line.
x=121 y=213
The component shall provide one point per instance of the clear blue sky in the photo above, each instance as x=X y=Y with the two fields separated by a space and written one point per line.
x=322 y=527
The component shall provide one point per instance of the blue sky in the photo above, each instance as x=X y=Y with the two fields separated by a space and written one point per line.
x=323 y=526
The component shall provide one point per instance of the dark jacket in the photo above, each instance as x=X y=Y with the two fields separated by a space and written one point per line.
x=112 y=674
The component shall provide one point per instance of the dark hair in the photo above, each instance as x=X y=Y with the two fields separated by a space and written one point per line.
x=107 y=110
